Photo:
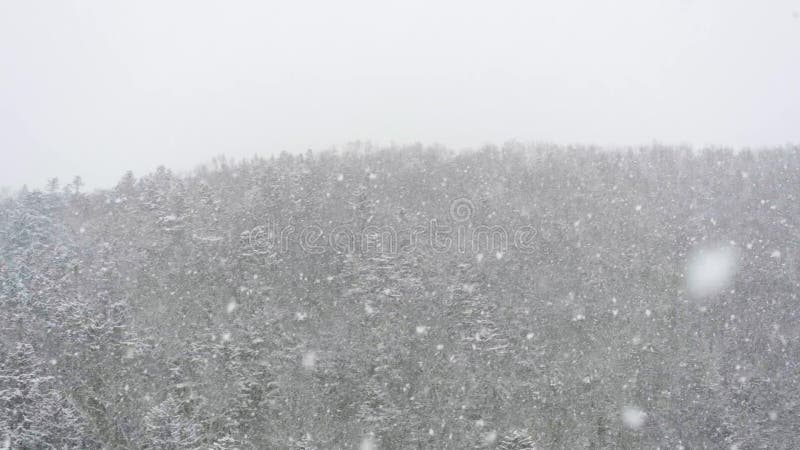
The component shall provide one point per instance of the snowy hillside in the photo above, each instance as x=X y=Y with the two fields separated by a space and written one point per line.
x=561 y=298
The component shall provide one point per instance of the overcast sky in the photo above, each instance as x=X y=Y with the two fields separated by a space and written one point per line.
x=97 y=87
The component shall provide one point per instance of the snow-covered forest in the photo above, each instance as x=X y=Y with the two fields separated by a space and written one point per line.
x=616 y=300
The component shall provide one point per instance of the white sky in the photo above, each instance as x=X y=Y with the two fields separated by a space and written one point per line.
x=97 y=87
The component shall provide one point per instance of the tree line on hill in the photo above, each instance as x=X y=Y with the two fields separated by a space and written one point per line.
x=193 y=312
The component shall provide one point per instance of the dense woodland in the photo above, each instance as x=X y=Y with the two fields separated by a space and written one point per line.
x=163 y=313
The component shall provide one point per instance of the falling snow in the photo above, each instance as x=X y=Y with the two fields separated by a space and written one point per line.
x=658 y=288
x=231 y=307
x=633 y=417
x=711 y=270
x=309 y=360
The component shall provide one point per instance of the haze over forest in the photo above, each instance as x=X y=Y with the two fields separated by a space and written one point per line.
x=95 y=88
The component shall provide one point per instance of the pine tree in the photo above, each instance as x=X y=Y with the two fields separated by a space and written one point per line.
x=33 y=412
x=225 y=443
x=167 y=426
x=516 y=440
x=474 y=313
x=305 y=443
